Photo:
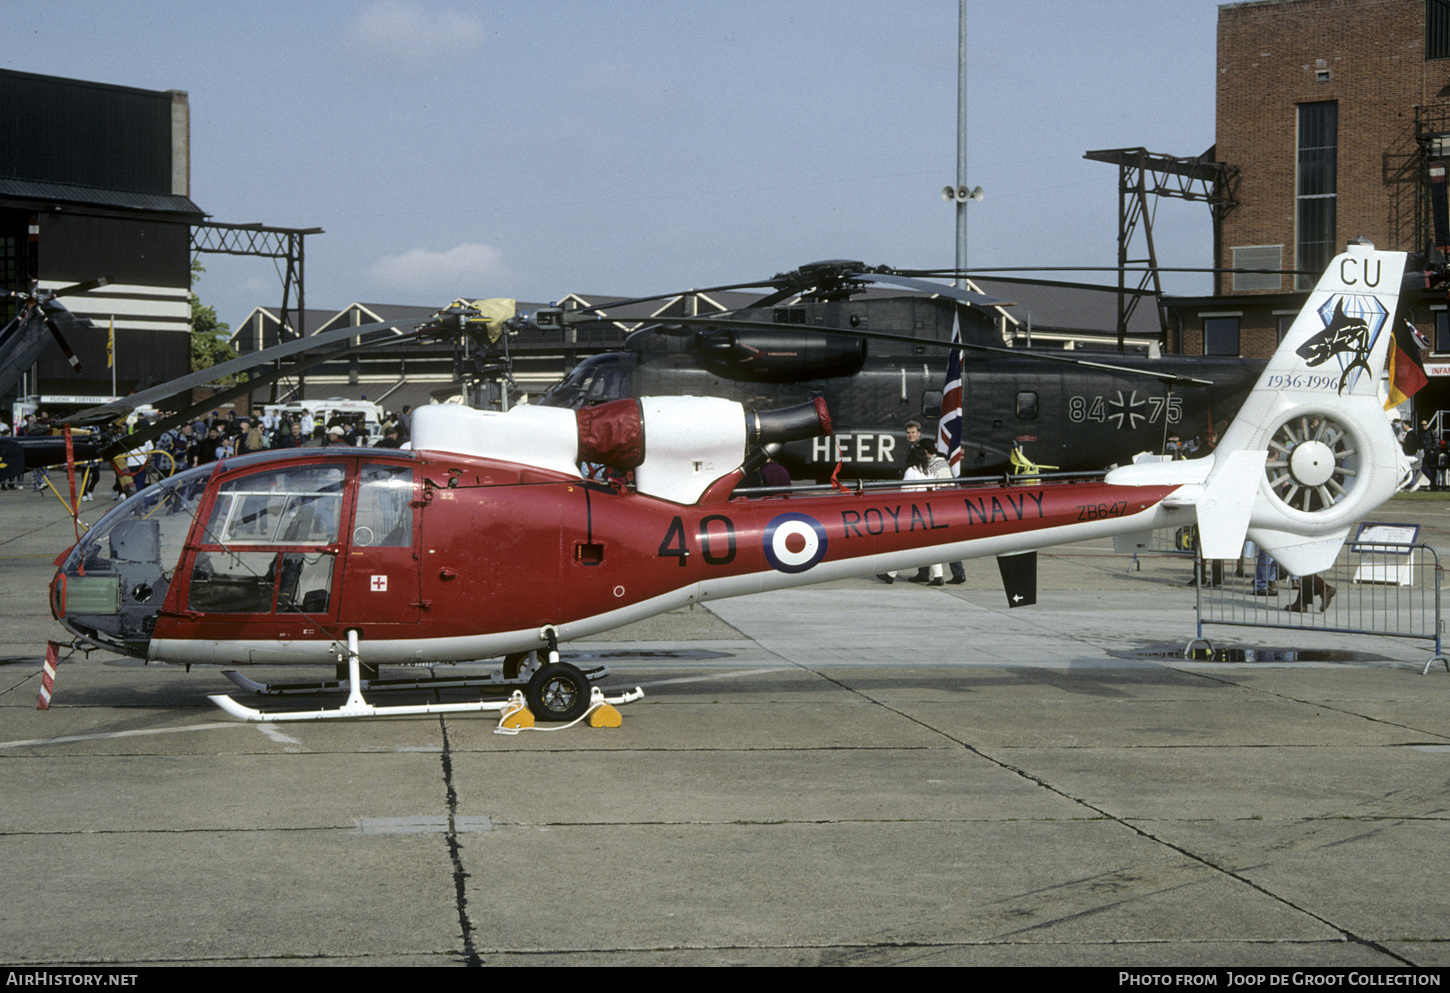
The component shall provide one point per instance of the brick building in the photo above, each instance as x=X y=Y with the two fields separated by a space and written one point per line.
x=1332 y=110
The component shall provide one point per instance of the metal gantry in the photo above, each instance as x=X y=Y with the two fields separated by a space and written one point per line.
x=287 y=244
x=1141 y=172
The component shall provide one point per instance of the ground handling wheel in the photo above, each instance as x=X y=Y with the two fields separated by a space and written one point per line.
x=558 y=692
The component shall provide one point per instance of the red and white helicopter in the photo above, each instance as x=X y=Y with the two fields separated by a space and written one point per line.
x=485 y=540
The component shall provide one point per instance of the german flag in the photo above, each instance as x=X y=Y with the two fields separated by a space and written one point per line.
x=1407 y=372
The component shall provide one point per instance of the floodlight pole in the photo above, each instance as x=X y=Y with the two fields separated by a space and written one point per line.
x=961 y=138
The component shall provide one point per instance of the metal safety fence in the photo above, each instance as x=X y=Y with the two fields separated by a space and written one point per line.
x=1374 y=588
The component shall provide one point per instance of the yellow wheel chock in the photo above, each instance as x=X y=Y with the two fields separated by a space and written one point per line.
x=602 y=713
x=516 y=714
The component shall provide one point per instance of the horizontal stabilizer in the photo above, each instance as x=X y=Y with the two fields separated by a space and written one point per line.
x=1227 y=502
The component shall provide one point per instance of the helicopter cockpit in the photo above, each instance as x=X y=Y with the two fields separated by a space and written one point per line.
x=267 y=544
x=112 y=582
x=595 y=380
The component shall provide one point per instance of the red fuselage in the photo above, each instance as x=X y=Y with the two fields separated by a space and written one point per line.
x=435 y=557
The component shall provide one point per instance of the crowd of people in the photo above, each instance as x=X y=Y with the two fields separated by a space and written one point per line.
x=218 y=436
x=1433 y=452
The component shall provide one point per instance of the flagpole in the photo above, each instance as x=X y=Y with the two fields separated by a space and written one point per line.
x=111 y=354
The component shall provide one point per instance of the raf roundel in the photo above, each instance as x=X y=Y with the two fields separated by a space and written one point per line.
x=794 y=542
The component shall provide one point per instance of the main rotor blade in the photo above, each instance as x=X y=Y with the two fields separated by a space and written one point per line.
x=166 y=391
x=757 y=284
x=70 y=356
x=151 y=432
x=924 y=286
x=1019 y=353
x=969 y=273
x=88 y=285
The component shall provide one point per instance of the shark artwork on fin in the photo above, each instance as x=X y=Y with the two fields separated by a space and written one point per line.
x=1351 y=335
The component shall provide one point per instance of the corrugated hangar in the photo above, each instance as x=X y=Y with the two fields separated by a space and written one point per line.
x=115 y=205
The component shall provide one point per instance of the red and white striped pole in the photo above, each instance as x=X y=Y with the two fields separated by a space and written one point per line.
x=47 y=676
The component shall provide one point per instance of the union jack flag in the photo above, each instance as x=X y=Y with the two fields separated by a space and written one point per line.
x=949 y=430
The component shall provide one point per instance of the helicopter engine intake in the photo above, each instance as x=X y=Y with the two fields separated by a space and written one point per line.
x=678 y=446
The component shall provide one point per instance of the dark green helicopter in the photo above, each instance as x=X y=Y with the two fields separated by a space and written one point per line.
x=819 y=333
x=878 y=360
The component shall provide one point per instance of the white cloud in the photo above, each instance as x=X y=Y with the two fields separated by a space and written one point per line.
x=462 y=270
x=411 y=36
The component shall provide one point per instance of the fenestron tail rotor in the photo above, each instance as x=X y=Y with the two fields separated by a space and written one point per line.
x=1313 y=463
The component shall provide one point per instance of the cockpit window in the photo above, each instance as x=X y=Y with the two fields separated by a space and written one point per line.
x=595 y=380
x=291 y=506
x=384 y=516
x=149 y=528
x=115 y=579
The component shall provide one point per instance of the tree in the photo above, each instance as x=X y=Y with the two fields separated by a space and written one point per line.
x=208 y=335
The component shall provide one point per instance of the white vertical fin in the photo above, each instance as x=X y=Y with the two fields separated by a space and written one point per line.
x=1310 y=451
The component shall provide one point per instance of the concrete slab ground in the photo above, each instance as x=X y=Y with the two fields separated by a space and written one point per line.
x=851 y=774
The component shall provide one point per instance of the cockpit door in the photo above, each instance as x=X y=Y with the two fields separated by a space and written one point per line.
x=380 y=563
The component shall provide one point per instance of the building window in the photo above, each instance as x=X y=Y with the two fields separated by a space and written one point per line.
x=1437 y=29
x=14 y=261
x=1257 y=257
x=1316 y=189
x=10 y=275
x=1286 y=321
x=1220 y=336
x=1442 y=331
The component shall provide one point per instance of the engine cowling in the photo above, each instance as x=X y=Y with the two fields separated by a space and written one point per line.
x=780 y=356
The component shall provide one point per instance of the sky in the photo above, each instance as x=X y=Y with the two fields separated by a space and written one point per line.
x=535 y=148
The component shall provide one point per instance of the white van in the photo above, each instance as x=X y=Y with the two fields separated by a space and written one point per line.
x=364 y=413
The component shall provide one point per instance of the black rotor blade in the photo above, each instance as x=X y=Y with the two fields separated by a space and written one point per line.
x=666 y=296
x=923 y=286
x=70 y=356
x=375 y=334
x=88 y=285
x=968 y=273
x=151 y=432
x=155 y=430
x=1020 y=353
x=785 y=293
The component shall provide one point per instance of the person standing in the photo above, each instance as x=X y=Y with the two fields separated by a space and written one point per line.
x=913 y=439
x=927 y=463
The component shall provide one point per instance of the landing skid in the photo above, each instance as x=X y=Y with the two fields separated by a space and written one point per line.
x=557 y=691
x=492 y=681
x=365 y=709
